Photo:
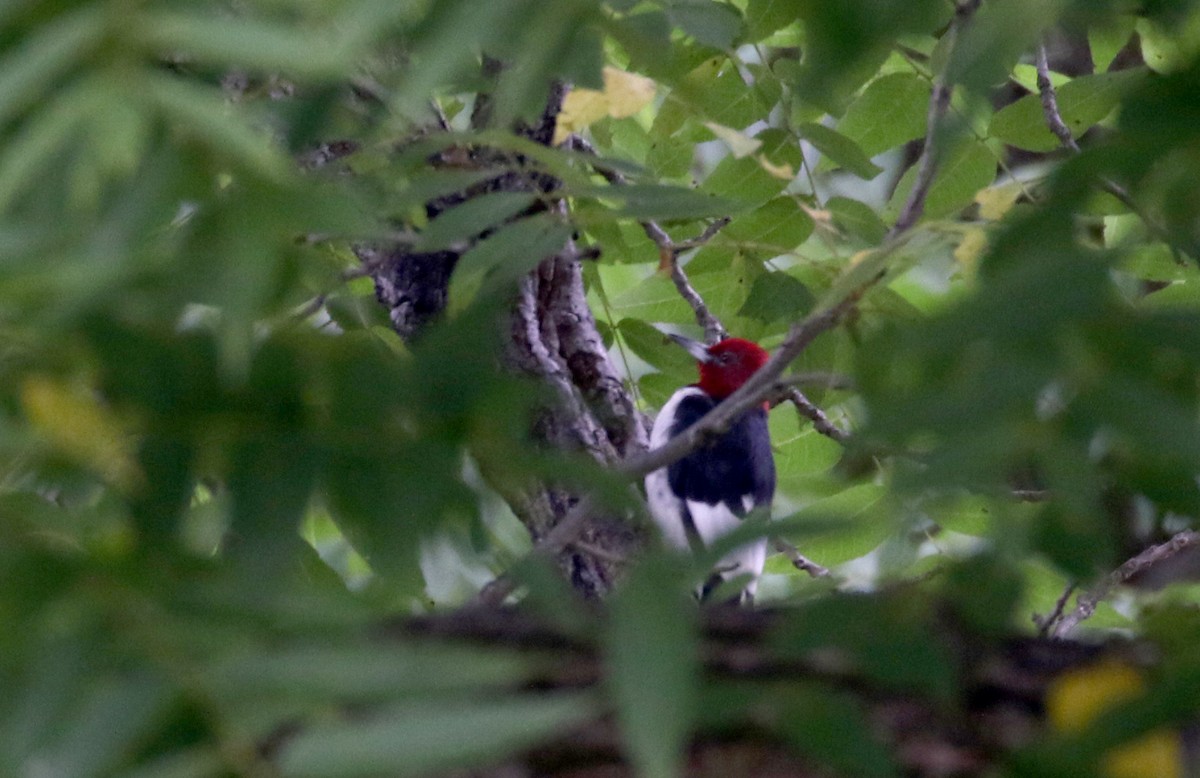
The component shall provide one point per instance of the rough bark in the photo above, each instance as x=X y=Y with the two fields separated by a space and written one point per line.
x=553 y=340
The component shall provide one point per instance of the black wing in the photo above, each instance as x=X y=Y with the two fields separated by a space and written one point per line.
x=736 y=465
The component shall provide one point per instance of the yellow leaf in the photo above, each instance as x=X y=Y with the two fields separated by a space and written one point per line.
x=971 y=246
x=783 y=171
x=1157 y=753
x=580 y=108
x=1078 y=697
x=627 y=93
x=624 y=95
x=80 y=428
x=995 y=201
x=739 y=144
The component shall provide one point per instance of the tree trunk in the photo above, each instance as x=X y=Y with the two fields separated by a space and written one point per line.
x=553 y=339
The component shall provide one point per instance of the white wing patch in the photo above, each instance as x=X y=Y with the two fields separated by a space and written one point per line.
x=711 y=521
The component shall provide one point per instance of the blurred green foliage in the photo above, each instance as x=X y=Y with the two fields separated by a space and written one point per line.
x=220 y=469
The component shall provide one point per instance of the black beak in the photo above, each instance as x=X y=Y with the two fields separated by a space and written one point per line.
x=693 y=347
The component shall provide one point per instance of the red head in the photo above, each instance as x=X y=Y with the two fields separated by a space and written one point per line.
x=725 y=366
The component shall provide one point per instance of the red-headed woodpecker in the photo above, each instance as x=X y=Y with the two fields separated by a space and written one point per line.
x=707 y=493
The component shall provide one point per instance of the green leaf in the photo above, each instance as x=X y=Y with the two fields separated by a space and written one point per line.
x=43 y=137
x=657 y=349
x=498 y=261
x=469 y=219
x=653 y=667
x=776 y=295
x=244 y=42
x=964 y=172
x=31 y=69
x=860 y=518
x=203 y=113
x=712 y=23
x=838 y=150
x=109 y=720
x=659 y=202
x=655 y=299
x=776 y=227
x=764 y=17
x=385 y=501
x=1106 y=39
x=857 y=219
x=889 y=112
x=745 y=180
x=421 y=737
x=885 y=639
x=1082 y=103
x=375 y=673
x=831 y=727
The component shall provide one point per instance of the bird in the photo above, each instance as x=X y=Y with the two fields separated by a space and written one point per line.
x=706 y=494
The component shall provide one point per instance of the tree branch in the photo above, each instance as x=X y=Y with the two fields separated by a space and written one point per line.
x=1085 y=604
x=820 y=421
x=1054 y=119
x=669 y=250
x=715 y=422
x=1058 y=126
x=939 y=103
x=800 y=561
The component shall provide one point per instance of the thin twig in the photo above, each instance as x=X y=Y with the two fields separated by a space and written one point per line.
x=1058 y=126
x=820 y=421
x=669 y=250
x=939 y=103
x=1054 y=119
x=1085 y=604
x=1047 y=623
x=800 y=561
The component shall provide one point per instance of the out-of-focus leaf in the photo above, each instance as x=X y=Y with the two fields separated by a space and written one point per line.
x=713 y=24
x=202 y=114
x=831 y=727
x=81 y=428
x=504 y=256
x=244 y=42
x=860 y=518
x=881 y=638
x=1082 y=103
x=485 y=212
x=961 y=176
x=778 y=226
x=857 y=219
x=847 y=41
x=838 y=149
x=651 y=650
x=108 y=722
x=45 y=55
x=361 y=674
x=43 y=138
x=890 y=111
x=1105 y=40
x=421 y=737
x=764 y=17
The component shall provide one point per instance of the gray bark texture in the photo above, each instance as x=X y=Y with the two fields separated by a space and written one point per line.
x=553 y=340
